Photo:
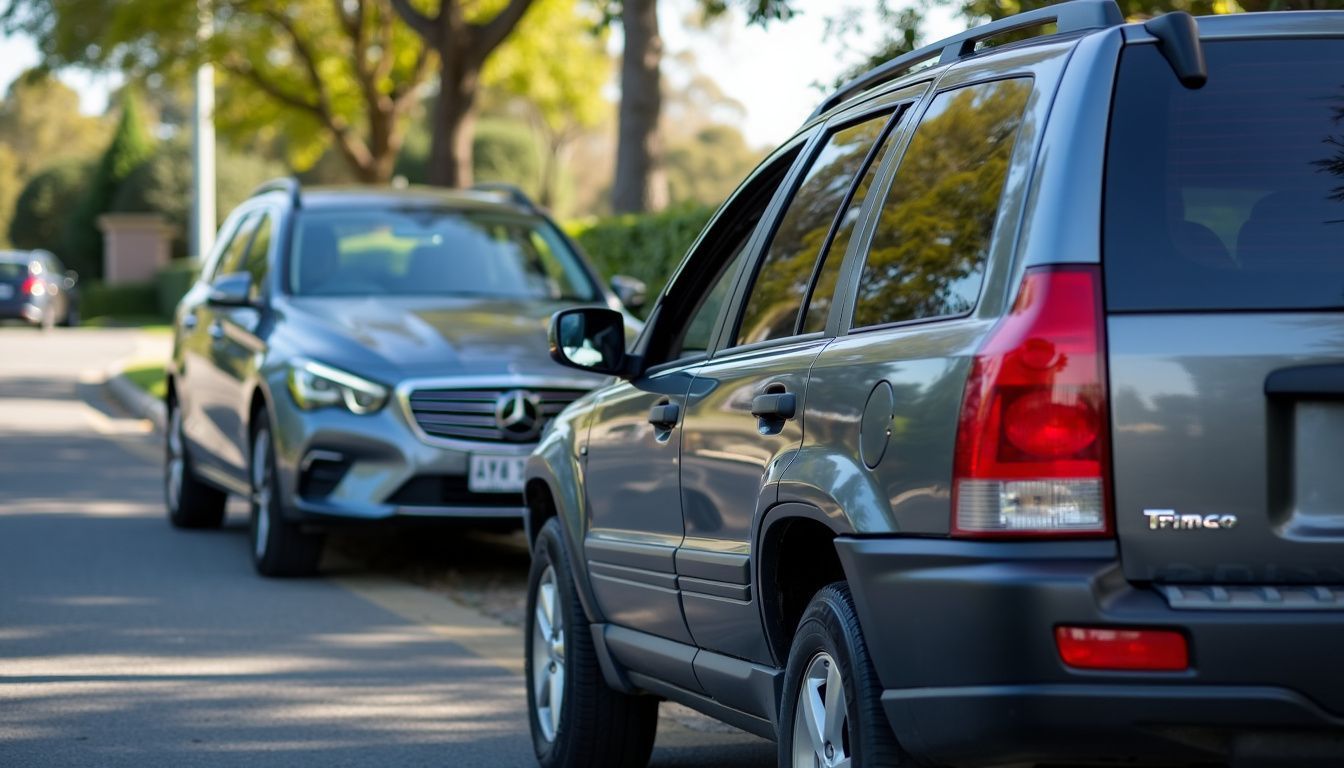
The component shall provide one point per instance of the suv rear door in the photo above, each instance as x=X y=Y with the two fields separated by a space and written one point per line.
x=1224 y=266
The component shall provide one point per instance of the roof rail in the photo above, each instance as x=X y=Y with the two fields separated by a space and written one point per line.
x=287 y=184
x=512 y=191
x=1070 y=16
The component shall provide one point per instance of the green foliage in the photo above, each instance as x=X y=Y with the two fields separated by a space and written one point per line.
x=172 y=283
x=11 y=184
x=503 y=149
x=149 y=377
x=41 y=123
x=703 y=169
x=313 y=72
x=45 y=208
x=647 y=246
x=163 y=185
x=98 y=299
x=131 y=145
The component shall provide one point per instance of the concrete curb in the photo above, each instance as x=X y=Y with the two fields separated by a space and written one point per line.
x=140 y=403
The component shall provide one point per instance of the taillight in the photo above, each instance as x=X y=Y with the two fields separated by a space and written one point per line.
x=1032 y=441
x=32 y=287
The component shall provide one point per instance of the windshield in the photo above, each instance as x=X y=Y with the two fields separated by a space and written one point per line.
x=430 y=252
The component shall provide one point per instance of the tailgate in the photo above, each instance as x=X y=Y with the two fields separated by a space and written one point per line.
x=1223 y=253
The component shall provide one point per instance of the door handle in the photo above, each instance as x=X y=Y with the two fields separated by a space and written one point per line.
x=775 y=406
x=664 y=415
x=216 y=330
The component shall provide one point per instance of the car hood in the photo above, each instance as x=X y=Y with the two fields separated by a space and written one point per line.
x=396 y=337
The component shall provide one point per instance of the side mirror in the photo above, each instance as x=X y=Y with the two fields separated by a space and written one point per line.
x=232 y=290
x=590 y=339
x=71 y=277
x=632 y=292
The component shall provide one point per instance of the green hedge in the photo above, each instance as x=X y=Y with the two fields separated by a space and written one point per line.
x=646 y=246
x=98 y=299
x=173 y=282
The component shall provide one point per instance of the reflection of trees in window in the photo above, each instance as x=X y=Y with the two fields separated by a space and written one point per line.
x=928 y=254
x=777 y=295
x=1334 y=165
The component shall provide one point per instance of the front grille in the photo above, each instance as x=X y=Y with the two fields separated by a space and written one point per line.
x=448 y=491
x=469 y=414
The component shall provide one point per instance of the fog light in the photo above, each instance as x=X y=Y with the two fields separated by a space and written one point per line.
x=1122 y=649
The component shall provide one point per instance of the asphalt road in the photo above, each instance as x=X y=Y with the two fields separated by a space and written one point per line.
x=124 y=642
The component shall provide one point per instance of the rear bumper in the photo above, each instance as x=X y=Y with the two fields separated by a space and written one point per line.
x=962 y=636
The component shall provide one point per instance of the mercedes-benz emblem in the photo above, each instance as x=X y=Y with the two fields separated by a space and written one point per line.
x=518 y=415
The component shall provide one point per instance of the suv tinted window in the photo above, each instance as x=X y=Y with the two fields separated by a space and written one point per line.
x=927 y=258
x=782 y=280
x=257 y=257
x=1231 y=196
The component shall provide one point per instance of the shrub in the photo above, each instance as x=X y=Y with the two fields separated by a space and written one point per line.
x=98 y=299
x=646 y=246
x=172 y=283
x=131 y=145
x=43 y=212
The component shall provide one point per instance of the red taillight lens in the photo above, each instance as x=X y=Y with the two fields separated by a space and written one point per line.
x=1148 y=650
x=29 y=286
x=1032 y=440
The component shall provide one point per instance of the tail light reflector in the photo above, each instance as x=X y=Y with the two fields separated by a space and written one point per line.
x=32 y=287
x=1032 y=441
x=1121 y=649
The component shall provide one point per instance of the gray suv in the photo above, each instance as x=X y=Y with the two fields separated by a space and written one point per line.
x=996 y=418
x=366 y=355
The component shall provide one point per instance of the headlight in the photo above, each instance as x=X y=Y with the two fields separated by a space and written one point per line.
x=314 y=385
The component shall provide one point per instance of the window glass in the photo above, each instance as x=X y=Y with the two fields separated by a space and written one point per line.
x=927 y=258
x=437 y=252
x=701 y=326
x=783 y=277
x=236 y=251
x=257 y=263
x=823 y=290
x=1230 y=197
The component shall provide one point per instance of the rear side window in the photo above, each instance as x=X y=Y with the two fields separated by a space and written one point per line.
x=1230 y=197
x=927 y=258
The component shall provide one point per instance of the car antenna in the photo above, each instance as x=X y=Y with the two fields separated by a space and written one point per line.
x=1177 y=36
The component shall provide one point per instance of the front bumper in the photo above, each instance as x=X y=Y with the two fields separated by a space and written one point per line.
x=336 y=466
x=962 y=638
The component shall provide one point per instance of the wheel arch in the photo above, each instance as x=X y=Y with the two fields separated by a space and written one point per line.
x=787 y=533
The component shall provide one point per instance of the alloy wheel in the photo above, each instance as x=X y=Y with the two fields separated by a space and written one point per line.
x=821 y=737
x=548 y=655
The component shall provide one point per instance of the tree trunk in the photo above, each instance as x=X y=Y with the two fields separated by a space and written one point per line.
x=640 y=181
x=454 y=122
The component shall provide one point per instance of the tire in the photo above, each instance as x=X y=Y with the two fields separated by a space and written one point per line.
x=280 y=547
x=595 y=725
x=190 y=502
x=829 y=647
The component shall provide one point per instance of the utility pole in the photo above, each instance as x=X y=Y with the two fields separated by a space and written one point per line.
x=203 y=144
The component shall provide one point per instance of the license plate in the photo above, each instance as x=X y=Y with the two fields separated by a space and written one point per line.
x=6 y=291
x=496 y=474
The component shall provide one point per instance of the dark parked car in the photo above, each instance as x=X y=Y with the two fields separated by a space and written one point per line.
x=357 y=355
x=37 y=288
x=995 y=419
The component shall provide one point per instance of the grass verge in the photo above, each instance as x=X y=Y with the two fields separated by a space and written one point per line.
x=148 y=377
